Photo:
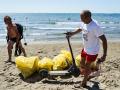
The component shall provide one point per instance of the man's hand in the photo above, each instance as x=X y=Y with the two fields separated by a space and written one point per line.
x=68 y=34
x=102 y=59
x=104 y=43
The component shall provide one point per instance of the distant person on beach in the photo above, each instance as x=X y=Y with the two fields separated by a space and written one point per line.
x=91 y=34
x=13 y=37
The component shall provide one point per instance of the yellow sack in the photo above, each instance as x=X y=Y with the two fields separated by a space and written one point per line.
x=67 y=56
x=93 y=66
x=60 y=62
x=45 y=63
x=27 y=65
x=77 y=60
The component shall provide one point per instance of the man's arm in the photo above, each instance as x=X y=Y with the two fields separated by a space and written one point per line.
x=104 y=44
x=7 y=37
x=18 y=35
x=75 y=32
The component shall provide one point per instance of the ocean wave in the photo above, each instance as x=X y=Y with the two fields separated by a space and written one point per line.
x=54 y=28
x=113 y=27
x=68 y=23
x=2 y=34
x=2 y=40
x=47 y=33
x=109 y=22
x=56 y=22
x=43 y=22
x=103 y=27
x=37 y=34
x=109 y=27
x=49 y=22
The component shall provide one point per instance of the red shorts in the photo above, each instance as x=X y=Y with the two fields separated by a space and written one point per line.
x=89 y=58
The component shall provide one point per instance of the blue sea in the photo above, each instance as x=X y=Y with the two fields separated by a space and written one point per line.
x=50 y=26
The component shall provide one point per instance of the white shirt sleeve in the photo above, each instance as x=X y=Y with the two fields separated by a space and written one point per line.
x=98 y=31
x=81 y=25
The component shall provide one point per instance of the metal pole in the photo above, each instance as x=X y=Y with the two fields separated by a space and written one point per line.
x=68 y=39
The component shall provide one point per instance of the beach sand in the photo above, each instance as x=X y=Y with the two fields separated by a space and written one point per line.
x=108 y=80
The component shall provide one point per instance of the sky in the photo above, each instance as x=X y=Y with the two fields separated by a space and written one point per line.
x=59 y=6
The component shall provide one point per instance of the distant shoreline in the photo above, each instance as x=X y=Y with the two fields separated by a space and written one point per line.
x=55 y=13
x=57 y=42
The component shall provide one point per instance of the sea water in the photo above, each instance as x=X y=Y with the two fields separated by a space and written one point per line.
x=51 y=26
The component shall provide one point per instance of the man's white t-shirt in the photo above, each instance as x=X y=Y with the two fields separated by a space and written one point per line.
x=90 y=35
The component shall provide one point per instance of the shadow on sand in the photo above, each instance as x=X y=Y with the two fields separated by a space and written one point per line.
x=36 y=78
x=32 y=79
x=95 y=85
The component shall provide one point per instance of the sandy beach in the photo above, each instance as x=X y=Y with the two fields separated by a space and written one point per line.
x=108 y=80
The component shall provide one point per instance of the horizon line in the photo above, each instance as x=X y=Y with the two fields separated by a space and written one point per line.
x=61 y=12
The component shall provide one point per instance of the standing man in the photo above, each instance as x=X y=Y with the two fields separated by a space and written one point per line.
x=91 y=34
x=13 y=37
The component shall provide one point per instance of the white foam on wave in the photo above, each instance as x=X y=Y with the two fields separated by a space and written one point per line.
x=112 y=27
x=2 y=34
x=103 y=27
x=37 y=34
x=109 y=22
x=69 y=23
x=54 y=28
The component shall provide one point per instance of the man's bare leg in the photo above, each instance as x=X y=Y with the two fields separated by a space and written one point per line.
x=86 y=75
x=82 y=70
x=22 y=49
x=10 y=47
x=82 y=65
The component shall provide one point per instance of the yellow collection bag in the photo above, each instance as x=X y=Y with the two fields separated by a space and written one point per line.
x=45 y=63
x=27 y=65
x=67 y=55
x=93 y=66
x=77 y=60
x=60 y=62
